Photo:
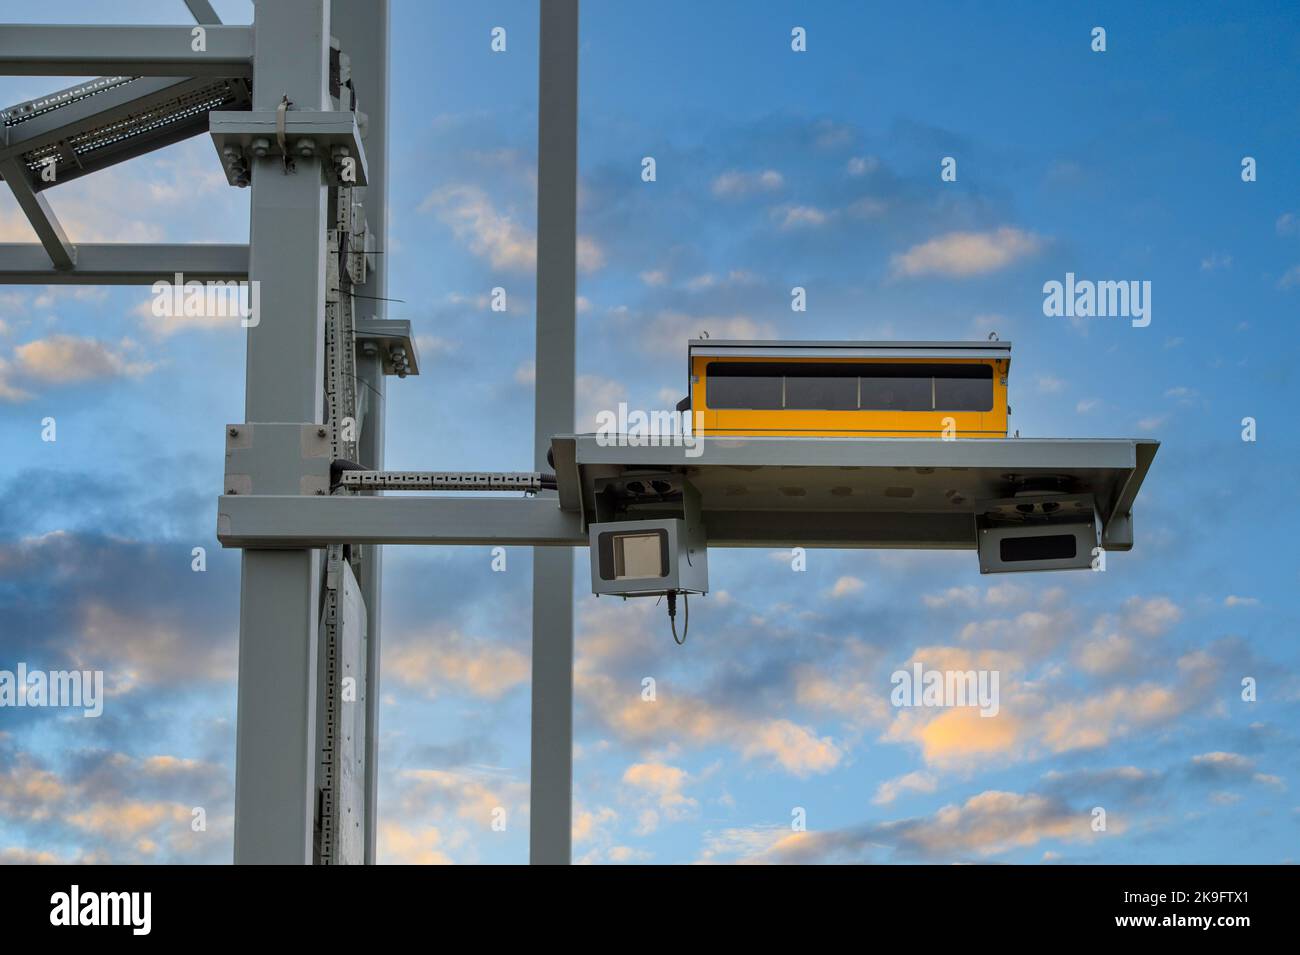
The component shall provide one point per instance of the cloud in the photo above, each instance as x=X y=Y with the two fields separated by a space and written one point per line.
x=588 y=825
x=469 y=795
x=891 y=789
x=669 y=331
x=1152 y=616
x=693 y=719
x=69 y=359
x=987 y=824
x=1232 y=600
x=108 y=805
x=497 y=236
x=963 y=254
x=597 y=394
x=862 y=165
x=735 y=184
x=475 y=221
x=799 y=217
x=664 y=784
x=410 y=845
x=846 y=586
x=428 y=661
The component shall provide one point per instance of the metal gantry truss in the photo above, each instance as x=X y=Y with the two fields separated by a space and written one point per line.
x=297 y=107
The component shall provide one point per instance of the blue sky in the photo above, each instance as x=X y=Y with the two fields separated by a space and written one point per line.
x=774 y=169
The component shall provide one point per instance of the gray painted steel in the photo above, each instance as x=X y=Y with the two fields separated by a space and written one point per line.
x=275 y=761
x=340 y=822
x=764 y=477
x=202 y=11
x=124 y=263
x=710 y=347
x=95 y=125
x=551 y=793
x=58 y=50
x=362 y=29
x=42 y=218
x=297 y=521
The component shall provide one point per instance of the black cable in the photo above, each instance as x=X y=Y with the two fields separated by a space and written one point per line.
x=672 y=615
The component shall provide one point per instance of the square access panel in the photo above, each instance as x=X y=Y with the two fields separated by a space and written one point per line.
x=646 y=559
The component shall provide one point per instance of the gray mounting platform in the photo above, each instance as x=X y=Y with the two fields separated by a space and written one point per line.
x=856 y=492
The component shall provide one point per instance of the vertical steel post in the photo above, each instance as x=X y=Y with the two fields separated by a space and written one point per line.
x=551 y=794
x=361 y=27
x=275 y=762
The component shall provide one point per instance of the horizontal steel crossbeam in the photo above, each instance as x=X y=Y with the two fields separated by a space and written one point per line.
x=298 y=521
x=123 y=263
x=58 y=50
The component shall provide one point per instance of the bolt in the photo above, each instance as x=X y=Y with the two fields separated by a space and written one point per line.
x=234 y=432
x=231 y=490
x=306 y=148
x=321 y=432
x=261 y=147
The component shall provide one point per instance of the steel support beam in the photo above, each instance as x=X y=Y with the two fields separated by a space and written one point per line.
x=275 y=761
x=273 y=521
x=124 y=264
x=551 y=794
x=61 y=252
x=276 y=521
x=88 y=131
x=58 y=50
x=362 y=29
x=86 y=113
x=202 y=11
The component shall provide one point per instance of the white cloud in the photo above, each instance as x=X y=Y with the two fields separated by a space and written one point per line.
x=846 y=586
x=862 y=165
x=669 y=331
x=1049 y=385
x=891 y=789
x=735 y=184
x=475 y=221
x=799 y=217
x=962 y=254
x=66 y=359
x=497 y=236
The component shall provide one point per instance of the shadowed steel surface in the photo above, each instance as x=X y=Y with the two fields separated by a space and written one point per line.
x=362 y=29
x=557 y=238
x=275 y=761
x=124 y=263
x=57 y=50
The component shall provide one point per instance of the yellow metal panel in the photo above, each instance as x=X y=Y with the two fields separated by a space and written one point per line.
x=730 y=422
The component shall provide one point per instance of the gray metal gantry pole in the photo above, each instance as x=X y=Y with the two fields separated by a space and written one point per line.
x=557 y=235
x=361 y=27
x=275 y=762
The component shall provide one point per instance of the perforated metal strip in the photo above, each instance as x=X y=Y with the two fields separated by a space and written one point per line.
x=443 y=480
